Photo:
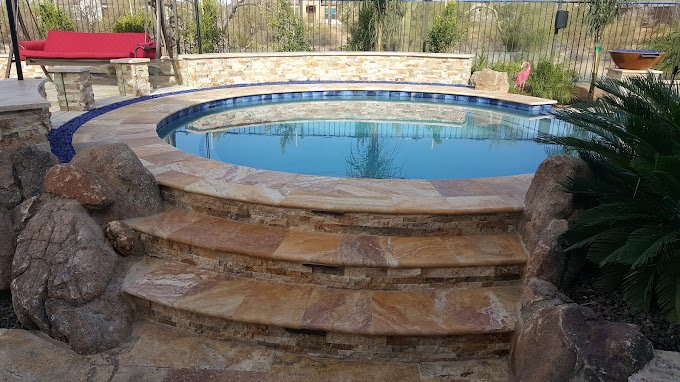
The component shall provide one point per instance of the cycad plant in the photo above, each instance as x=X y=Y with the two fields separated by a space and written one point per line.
x=633 y=231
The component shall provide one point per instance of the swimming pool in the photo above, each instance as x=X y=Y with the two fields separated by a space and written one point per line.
x=384 y=135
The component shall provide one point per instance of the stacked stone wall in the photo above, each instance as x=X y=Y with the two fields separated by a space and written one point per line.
x=210 y=70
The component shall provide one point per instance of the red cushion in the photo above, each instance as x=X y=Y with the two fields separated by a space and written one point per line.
x=59 y=41
x=92 y=55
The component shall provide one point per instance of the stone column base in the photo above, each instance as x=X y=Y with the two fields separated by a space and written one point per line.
x=74 y=87
x=133 y=76
x=621 y=74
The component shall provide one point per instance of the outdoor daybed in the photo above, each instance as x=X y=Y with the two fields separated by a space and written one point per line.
x=78 y=48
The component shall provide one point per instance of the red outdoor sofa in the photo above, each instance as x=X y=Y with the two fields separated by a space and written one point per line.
x=76 y=48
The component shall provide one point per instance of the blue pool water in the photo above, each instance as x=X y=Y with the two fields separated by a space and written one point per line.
x=368 y=137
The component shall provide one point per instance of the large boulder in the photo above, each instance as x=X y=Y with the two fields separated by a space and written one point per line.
x=7 y=245
x=83 y=186
x=538 y=294
x=10 y=194
x=547 y=199
x=60 y=272
x=30 y=164
x=548 y=261
x=134 y=187
x=573 y=344
x=490 y=80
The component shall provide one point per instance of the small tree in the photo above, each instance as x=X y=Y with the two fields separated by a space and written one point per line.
x=600 y=14
x=380 y=11
x=53 y=19
x=362 y=34
x=290 y=32
x=445 y=33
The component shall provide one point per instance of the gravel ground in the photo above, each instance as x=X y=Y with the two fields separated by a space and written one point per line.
x=610 y=306
x=8 y=320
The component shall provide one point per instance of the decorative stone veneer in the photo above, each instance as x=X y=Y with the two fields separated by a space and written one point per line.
x=494 y=222
x=74 y=87
x=133 y=76
x=25 y=116
x=208 y=70
x=331 y=276
x=336 y=345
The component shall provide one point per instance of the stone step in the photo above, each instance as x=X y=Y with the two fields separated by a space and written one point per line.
x=408 y=326
x=335 y=260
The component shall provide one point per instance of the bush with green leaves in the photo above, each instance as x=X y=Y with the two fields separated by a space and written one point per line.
x=668 y=41
x=446 y=32
x=53 y=18
x=552 y=81
x=362 y=34
x=522 y=28
x=290 y=32
x=134 y=23
x=633 y=149
x=211 y=34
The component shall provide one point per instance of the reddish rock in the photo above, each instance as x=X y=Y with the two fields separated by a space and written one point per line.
x=569 y=343
x=83 y=186
x=548 y=261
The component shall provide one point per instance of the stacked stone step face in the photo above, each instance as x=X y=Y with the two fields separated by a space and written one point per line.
x=347 y=261
x=346 y=295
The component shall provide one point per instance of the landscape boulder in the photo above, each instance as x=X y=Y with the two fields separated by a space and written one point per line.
x=569 y=343
x=490 y=80
x=60 y=273
x=124 y=239
x=547 y=199
x=83 y=186
x=135 y=190
x=548 y=261
x=7 y=245
x=538 y=294
x=10 y=194
x=30 y=164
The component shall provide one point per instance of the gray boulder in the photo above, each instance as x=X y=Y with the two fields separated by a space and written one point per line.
x=538 y=294
x=568 y=343
x=10 y=194
x=7 y=245
x=546 y=199
x=135 y=190
x=62 y=259
x=548 y=261
x=30 y=164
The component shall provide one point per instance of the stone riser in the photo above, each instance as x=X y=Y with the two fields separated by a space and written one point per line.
x=335 y=345
x=333 y=277
x=357 y=223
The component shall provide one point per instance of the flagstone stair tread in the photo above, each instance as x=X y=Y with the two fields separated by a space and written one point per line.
x=364 y=312
x=332 y=249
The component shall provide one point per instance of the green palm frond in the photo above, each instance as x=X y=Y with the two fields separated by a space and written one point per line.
x=630 y=138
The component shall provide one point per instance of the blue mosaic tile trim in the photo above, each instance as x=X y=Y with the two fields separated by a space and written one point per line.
x=60 y=139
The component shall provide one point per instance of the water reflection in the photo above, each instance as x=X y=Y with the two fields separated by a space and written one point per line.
x=370 y=139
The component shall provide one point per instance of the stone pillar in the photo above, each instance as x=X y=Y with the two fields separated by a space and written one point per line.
x=133 y=76
x=621 y=74
x=24 y=113
x=74 y=87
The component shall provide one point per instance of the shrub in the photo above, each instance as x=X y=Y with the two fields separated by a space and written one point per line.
x=633 y=148
x=362 y=33
x=211 y=33
x=133 y=23
x=290 y=32
x=53 y=18
x=552 y=81
x=522 y=28
x=666 y=41
x=445 y=33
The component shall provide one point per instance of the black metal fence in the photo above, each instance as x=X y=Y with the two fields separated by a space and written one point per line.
x=495 y=31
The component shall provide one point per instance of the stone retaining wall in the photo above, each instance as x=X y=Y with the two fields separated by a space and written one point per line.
x=218 y=69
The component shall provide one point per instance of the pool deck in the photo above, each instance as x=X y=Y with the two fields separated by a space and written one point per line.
x=136 y=126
